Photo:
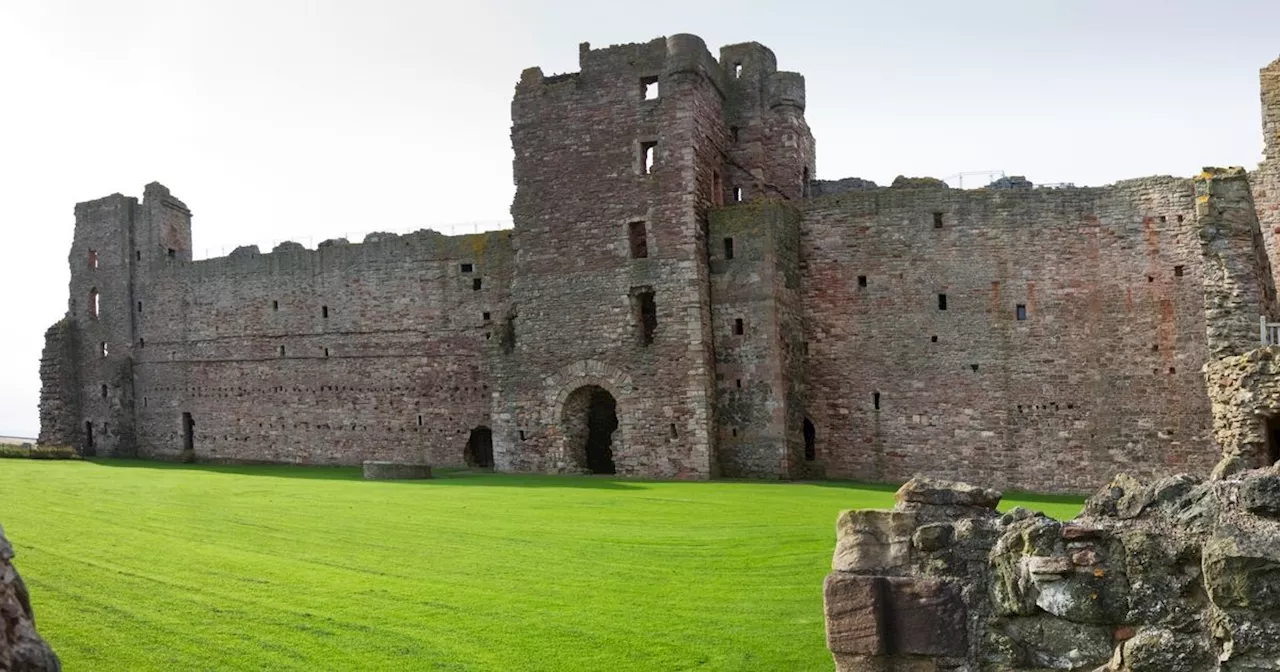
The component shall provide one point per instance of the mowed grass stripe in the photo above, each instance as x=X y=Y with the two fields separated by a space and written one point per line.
x=157 y=567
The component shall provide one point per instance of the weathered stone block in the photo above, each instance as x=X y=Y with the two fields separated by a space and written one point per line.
x=852 y=608
x=873 y=541
x=929 y=491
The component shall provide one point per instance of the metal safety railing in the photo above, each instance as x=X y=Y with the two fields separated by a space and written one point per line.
x=1269 y=332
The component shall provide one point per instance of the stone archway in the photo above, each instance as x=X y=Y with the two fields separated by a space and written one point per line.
x=479 y=450
x=590 y=421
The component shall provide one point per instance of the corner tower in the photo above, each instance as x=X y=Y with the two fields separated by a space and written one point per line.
x=87 y=368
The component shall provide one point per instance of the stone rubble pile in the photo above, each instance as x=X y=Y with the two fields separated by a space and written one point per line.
x=1179 y=575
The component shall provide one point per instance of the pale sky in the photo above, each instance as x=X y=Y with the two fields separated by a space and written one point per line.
x=304 y=120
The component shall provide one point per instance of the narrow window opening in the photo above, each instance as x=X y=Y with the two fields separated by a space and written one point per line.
x=804 y=183
x=1163 y=219
x=522 y=435
x=737 y=70
x=728 y=248
x=862 y=281
x=104 y=391
x=419 y=420
x=1151 y=278
x=933 y=339
x=737 y=194
x=467 y=268
x=145 y=402
x=324 y=312
x=738 y=383
x=942 y=302
x=649 y=88
x=1155 y=347
x=1021 y=311
x=102 y=347
x=88 y=437
x=93 y=258
x=647 y=152
x=139 y=306
x=93 y=303
x=974 y=367
x=639 y=238
x=188 y=434
x=173 y=254
x=805 y=347
x=734 y=431
x=138 y=254
x=1179 y=219
x=738 y=327
x=674 y=434
x=733 y=133
x=875 y=400
x=937 y=220
x=326 y=352
x=810 y=441
x=1177 y=271
x=645 y=311
x=142 y=342
x=1172 y=370
x=476 y=283
x=484 y=316
x=281 y=349
x=275 y=305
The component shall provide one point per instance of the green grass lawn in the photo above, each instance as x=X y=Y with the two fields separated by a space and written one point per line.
x=140 y=566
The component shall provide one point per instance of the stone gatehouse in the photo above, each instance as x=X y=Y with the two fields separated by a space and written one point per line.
x=680 y=297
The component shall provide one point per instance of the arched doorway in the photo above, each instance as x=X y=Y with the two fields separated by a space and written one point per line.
x=479 y=450
x=589 y=421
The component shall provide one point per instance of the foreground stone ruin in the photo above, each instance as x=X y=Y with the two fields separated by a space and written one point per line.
x=1178 y=575
x=21 y=649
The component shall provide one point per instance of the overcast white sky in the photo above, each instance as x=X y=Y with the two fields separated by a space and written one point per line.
x=305 y=120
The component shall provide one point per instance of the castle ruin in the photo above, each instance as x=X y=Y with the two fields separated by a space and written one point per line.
x=680 y=297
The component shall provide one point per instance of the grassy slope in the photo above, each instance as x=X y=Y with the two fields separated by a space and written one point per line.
x=153 y=567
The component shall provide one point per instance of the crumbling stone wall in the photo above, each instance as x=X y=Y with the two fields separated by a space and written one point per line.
x=21 y=648
x=1176 y=575
x=59 y=389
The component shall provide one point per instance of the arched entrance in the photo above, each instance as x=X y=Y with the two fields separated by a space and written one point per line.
x=590 y=420
x=479 y=450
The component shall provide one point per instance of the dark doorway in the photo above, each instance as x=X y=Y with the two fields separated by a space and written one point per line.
x=590 y=420
x=188 y=435
x=810 y=441
x=88 y=439
x=1271 y=425
x=479 y=451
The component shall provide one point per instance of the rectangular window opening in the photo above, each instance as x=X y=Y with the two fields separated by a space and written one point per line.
x=649 y=88
x=93 y=258
x=1177 y=271
x=484 y=316
x=875 y=400
x=1021 y=311
x=324 y=312
x=737 y=194
x=275 y=305
x=639 y=238
x=522 y=435
x=674 y=434
x=733 y=133
x=937 y=220
x=647 y=152
x=476 y=284
x=728 y=248
x=139 y=306
x=281 y=351
x=862 y=281
x=94 y=304
x=326 y=352
x=466 y=268
x=646 y=314
x=104 y=391
x=738 y=383
x=738 y=327
x=173 y=254
x=138 y=254
x=942 y=302
x=102 y=347
x=737 y=70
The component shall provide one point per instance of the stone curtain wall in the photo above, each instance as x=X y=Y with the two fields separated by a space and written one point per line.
x=1178 y=575
x=59 y=391
x=386 y=350
x=1102 y=375
x=21 y=648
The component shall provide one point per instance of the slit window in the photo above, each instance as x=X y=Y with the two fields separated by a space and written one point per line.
x=649 y=88
x=942 y=302
x=728 y=248
x=93 y=258
x=648 y=150
x=142 y=342
x=674 y=434
x=93 y=303
x=326 y=352
x=639 y=238
x=737 y=70
x=324 y=312
x=875 y=400
x=104 y=391
x=646 y=314
x=738 y=327
x=476 y=283
x=1021 y=311
x=810 y=441
x=275 y=305
x=737 y=194
x=281 y=350
x=139 y=306
x=733 y=133
x=102 y=348
x=937 y=220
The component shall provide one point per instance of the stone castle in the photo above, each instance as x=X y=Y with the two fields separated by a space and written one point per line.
x=680 y=297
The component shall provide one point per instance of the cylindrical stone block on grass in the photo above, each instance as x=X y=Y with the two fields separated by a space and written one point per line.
x=395 y=471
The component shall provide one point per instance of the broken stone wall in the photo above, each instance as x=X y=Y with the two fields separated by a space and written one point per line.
x=1177 y=575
